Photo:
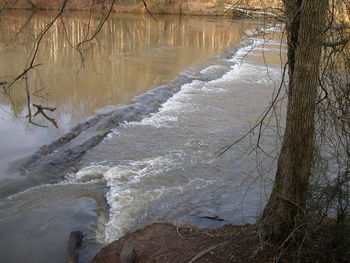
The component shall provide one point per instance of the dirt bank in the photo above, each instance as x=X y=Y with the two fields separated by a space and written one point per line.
x=188 y=7
x=165 y=243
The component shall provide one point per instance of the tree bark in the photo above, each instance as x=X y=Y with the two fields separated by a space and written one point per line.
x=285 y=208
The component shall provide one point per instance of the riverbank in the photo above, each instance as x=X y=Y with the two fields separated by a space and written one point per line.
x=163 y=157
x=162 y=243
x=251 y=8
x=166 y=243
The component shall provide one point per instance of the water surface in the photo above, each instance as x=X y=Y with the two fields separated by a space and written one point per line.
x=131 y=54
x=160 y=168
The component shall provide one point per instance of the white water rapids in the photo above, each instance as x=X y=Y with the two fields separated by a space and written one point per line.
x=163 y=167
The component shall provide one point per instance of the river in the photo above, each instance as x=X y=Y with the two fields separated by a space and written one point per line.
x=191 y=86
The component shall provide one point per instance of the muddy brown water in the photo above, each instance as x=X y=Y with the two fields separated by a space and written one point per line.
x=158 y=166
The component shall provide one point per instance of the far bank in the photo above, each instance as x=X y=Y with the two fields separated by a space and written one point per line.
x=178 y=7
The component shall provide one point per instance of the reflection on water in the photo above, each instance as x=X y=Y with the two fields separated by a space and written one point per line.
x=131 y=54
x=159 y=168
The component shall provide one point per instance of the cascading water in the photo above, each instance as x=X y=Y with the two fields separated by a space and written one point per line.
x=163 y=167
x=158 y=167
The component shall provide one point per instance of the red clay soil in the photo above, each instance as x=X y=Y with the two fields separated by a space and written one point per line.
x=165 y=243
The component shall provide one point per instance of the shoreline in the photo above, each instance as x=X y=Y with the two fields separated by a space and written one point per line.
x=167 y=243
x=58 y=157
x=164 y=242
x=167 y=7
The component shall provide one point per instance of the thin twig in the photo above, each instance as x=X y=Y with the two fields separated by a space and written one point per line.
x=206 y=251
x=259 y=123
x=145 y=5
x=178 y=232
x=98 y=29
x=33 y=54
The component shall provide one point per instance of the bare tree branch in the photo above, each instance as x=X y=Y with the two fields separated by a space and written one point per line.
x=341 y=42
x=261 y=119
x=146 y=7
x=98 y=29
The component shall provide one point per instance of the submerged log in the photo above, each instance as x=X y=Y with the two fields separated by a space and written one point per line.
x=74 y=243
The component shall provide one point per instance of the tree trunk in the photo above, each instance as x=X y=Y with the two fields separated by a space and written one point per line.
x=285 y=208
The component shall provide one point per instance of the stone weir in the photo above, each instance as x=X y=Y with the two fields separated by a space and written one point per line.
x=51 y=162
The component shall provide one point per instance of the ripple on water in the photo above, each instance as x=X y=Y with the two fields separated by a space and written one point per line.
x=163 y=167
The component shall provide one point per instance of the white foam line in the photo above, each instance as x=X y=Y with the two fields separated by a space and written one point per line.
x=168 y=114
x=169 y=111
x=89 y=173
x=124 y=197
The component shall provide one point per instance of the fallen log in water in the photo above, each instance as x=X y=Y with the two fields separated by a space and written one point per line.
x=74 y=243
x=256 y=11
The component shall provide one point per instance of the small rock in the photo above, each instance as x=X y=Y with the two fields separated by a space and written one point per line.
x=128 y=254
x=74 y=243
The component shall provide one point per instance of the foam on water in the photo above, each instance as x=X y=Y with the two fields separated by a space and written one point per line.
x=167 y=116
x=86 y=174
x=180 y=103
x=128 y=201
x=124 y=199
